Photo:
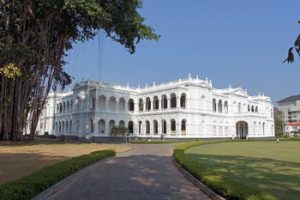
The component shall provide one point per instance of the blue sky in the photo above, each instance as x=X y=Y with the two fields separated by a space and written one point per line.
x=231 y=42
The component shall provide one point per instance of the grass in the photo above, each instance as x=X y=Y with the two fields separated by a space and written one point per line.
x=18 y=160
x=33 y=184
x=266 y=166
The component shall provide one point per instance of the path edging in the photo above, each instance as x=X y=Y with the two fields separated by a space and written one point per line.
x=69 y=179
x=196 y=182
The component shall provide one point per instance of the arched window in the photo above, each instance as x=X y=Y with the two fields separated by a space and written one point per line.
x=256 y=109
x=183 y=101
x=68 y=106
x=59 y=128
x=57 y=108
x=102 y=102
x=67 y=127
x=254 y=128
x=71 y=105
x=141 y=104
x=155 y=103
x=60 y=108
x=101 y=126
x=164 y=126
x=183 y=126
x=70 y=127
x=147 y=127
x=111 y=124
x=252 y=108
x=248 y=108
x=63 y=127
x=56 y=127
x=239 y=107
x=164 y=102
x=140 y=127
x=91 y=125
x=122 y=104
x=155 y=127
x=148 y=103
x=226 y=107
x=64 y=107
x=131 y=105
x=214 y=105
x=122 y=123
x=112 y=103
x=93 y=103
x=173 y=126
x=173 y=100
x=220 y=106
x=130 y=127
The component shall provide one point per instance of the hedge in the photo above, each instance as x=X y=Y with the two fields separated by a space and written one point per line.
x=227 y=188
x=33 y=184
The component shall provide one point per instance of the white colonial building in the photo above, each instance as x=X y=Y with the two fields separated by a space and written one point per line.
x=186 y=108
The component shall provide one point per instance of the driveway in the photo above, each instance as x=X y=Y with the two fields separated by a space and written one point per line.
x=146 y=172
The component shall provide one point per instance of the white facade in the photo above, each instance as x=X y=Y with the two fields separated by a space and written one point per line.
x=186 y=108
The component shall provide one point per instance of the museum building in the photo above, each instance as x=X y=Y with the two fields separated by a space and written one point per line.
x=185 y=108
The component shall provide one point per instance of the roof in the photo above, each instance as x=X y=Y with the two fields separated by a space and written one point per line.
x=294 y=124
x=290 y=99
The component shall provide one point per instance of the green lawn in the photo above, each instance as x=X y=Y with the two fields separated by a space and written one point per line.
x=267 y=165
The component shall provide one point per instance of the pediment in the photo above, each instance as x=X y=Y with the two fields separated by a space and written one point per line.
x=239 y=92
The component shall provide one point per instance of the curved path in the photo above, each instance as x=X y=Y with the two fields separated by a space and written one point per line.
x=146 y=172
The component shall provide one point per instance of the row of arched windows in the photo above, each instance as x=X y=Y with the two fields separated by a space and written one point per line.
x=164 y=124
x=220 y=106
x=252 y=108
x=64 y=107
x=63 y=127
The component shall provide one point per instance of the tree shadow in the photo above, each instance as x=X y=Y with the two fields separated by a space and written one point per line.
x=280 y=178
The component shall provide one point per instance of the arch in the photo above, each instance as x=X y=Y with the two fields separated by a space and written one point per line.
x=147 y=127
x=220 y=106
x=173 y=99
x=155 y=103
x=122 y=104
x=164 y=127
x=59 y=128
x=148 y=103
x=102 y=102
x=130 y=126
x=254 y=128
x=214 y=105
x=68 y=106
x=155 y=127
x=91 y=125
x=164 y=101
x=131 y=105
x=71 y=105
x=112 y=103
x=67 y=127
x=101 y=126
x=252 y=108
x=241 y=129
x=141 y=104
x=64 y=106
x=57 y=108
x=93 y=103
x=140 y=127
x=56 y=127
x=183 y=126
x=256 y=109
x=122 y=123
x=70 y=129
x=173 y=126
x=111 y=124
x=60 y=108
x=63 y=127
x=183 y=100
x=226 y=107
x=248 y=108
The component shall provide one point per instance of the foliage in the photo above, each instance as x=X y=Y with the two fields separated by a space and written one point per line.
x=119 y=131
x=32 y=185
x=290 y=58
x=206 y=174
x=279 y=124
x=35 y=35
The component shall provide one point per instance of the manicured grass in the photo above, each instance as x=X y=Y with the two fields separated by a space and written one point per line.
x=20 y=159
x=33 y=184
x=264 y=165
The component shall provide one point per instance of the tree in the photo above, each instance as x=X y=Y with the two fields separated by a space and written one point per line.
x=35 y=35
x=290 y=58
x=279 y=123
x=119 y=131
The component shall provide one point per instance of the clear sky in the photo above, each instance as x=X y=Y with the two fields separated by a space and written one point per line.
x=231 y=42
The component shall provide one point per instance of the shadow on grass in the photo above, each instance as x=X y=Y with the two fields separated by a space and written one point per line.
x=280 y=178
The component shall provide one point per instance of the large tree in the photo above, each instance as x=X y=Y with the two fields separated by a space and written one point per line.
x=34 y=37
x=290 y=58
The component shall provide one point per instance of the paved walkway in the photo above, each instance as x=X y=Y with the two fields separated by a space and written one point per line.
x=146 y=172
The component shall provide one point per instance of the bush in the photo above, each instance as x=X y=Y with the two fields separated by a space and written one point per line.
x=33 y=184
x=227 y=188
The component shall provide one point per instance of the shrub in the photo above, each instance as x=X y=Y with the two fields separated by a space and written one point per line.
x=225 y=187
x=33 y=184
